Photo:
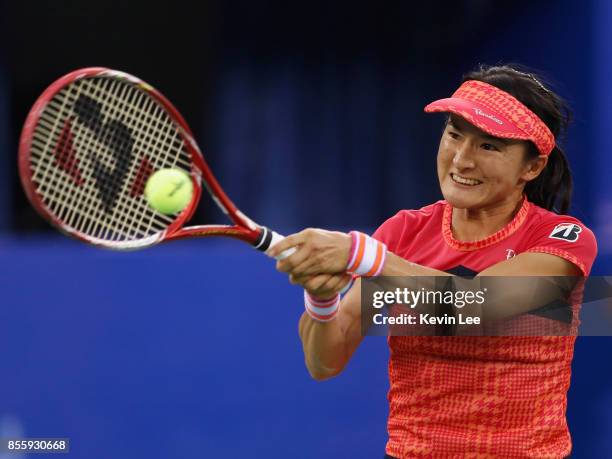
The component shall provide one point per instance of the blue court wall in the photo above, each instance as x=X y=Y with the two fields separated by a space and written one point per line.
x=191 y=350
x=6 y=174
x=590 y=397
x=601 y=94
x=187 y=350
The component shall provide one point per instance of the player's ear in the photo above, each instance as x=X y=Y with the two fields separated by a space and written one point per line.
x=533 y=167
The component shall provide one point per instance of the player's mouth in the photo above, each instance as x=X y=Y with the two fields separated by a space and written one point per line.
x=465 y=181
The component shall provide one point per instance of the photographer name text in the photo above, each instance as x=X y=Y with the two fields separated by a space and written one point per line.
x=425 y=319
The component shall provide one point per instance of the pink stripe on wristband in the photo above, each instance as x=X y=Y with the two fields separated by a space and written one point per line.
x=321 y=303
x=321 y=310
x=320 y=318
x=367 y=255
x=354 y=245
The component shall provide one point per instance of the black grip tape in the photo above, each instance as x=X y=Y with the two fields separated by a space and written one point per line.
x=263 y=240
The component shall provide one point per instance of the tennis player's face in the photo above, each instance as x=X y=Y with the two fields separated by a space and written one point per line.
x=478 y=171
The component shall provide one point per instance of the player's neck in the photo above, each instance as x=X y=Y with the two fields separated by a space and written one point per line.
x=474 y=225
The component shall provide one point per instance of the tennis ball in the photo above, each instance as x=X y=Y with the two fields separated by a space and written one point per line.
x=169 y=191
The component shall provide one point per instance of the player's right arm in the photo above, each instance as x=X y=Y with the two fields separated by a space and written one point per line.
x=328 y=346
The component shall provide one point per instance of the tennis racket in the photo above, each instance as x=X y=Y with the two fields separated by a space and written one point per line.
x=88 y=146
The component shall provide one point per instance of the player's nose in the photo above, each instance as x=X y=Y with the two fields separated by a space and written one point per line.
x=463 y=155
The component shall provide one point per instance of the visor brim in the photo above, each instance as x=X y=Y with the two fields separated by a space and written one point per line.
x=491 y=122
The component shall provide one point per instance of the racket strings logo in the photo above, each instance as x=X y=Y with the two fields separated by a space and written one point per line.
x=106 y=166
x=65 y=156
x=569 y=232
x=115 y=135
x=145 y=170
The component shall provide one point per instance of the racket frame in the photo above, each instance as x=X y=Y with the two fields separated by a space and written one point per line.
x=243 y=228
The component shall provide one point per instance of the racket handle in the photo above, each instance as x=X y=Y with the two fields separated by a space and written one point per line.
x=269 y=238
x=276 y=238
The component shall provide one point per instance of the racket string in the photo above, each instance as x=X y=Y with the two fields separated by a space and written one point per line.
x=133 y=232
x=82 y=197
x=80 y=206
x=118 y=110
x=149 y=225
x=45 y=167
x=50 y=178
x=94 y=222
x=113 y=231
x=122 y=202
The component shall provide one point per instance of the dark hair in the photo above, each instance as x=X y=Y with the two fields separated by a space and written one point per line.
x=552 y=189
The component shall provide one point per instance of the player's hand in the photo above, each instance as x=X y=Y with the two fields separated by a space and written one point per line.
x=317 y=252
x=322 y=285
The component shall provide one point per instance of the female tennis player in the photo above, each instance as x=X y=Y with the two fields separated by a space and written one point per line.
x=506 y=186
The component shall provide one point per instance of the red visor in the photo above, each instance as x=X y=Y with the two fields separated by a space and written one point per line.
x=497 y=113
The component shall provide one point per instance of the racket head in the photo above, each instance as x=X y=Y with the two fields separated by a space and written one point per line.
x=87 y=147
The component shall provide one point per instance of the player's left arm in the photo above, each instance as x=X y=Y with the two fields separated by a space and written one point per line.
x=525 y=264
x=321 y=251
x=557 y=254
x=546 y=257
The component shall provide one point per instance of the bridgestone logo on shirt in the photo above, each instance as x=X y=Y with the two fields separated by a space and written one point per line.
x=566 y=232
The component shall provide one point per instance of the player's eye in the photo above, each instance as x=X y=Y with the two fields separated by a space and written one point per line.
x=453 y=135
x=489 y=147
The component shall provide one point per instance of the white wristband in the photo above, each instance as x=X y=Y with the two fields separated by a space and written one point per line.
x=367 y=256
x=321 y=310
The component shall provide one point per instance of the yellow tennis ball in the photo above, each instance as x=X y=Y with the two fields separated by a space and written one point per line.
x=169 y=191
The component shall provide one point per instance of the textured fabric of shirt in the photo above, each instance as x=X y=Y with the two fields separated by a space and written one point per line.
x=479 y=396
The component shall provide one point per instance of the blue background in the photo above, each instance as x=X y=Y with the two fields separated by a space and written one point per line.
x=311 y=115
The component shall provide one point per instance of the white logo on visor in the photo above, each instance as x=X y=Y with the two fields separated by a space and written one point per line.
x=486 y=115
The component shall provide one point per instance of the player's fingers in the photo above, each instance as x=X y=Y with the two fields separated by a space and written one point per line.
x=287 y=265
x=292 y=240
x=338 y=282
x=314 y=284
x=299 y=280
x=308 y=281
x=316 y=263
x=321 y=279
x=307 y=266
